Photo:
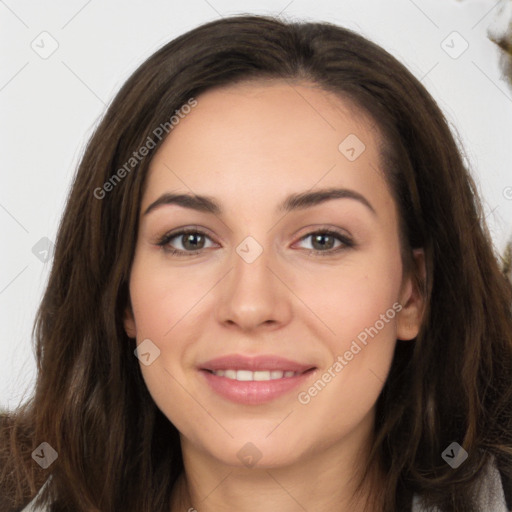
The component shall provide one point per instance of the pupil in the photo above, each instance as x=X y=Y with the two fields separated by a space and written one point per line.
x=190 y=237
x=318 y=239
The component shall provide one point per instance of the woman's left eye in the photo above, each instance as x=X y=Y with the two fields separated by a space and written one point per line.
x=327 y=237
x=194 y=240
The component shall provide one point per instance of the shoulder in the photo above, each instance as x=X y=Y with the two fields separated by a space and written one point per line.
x=491 y=496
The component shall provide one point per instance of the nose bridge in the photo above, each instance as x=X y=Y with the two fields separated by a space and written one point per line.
x=251 y=273
x=252 y=294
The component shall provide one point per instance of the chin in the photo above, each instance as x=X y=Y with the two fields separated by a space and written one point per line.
x=256 y=451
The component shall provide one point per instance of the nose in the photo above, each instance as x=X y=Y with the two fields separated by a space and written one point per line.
x=254 y=294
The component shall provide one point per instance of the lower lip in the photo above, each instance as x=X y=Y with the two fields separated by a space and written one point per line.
x=254 y=392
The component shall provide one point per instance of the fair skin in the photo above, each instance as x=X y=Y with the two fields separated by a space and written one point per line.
x=249 y=146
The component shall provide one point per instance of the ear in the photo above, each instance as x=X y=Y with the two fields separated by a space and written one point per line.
x=413 y=304
x=129 y=322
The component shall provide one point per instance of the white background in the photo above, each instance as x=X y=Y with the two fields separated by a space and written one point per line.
x=49 y=107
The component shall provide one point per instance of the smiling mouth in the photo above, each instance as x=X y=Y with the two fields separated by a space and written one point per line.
x=259 y=376
x=255 y=381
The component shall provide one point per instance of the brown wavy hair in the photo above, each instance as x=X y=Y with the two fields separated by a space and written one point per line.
x=117 y=451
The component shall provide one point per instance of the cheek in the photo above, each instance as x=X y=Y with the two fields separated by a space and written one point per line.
x=159 y=311
x=360 y=342
x=162 y=299
x=167 y=309
x=357 y=306
x=349 y=299
x=160 y=304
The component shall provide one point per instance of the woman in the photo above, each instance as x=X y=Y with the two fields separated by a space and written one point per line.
x=367 y=370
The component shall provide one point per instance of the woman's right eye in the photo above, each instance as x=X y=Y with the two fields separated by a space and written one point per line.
x=185 y=237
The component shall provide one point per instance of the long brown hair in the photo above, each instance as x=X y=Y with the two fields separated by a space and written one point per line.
x=116 y=450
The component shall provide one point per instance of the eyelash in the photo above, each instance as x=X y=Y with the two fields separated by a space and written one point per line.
x=347 y=242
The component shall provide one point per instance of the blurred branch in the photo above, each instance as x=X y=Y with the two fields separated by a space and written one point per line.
x=500 y=33
x=505 y=59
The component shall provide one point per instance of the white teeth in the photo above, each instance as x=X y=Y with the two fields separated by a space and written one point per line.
x=230 y=374
x=262 y=375
x=244 y=375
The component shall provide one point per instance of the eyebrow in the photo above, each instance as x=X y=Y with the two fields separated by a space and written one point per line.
x=297 y=201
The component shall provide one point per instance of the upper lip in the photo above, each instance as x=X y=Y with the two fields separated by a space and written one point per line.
x=263 y=362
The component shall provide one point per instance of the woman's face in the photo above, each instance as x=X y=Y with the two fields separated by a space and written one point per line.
x=256 y=289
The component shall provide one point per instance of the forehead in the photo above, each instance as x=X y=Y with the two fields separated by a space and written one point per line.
x=267 y=138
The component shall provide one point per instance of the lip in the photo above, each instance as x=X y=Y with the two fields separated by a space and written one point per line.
x=254 y=392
